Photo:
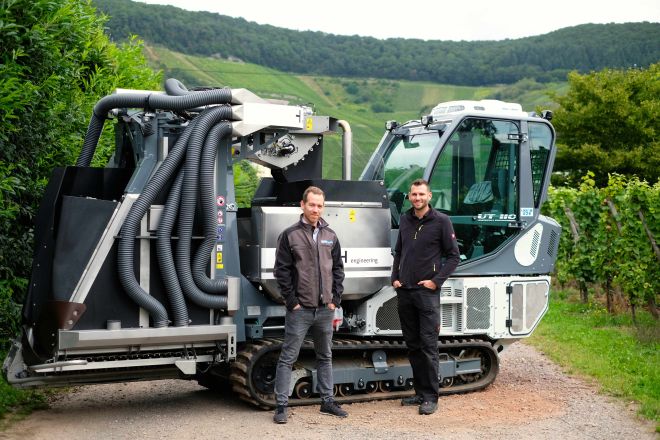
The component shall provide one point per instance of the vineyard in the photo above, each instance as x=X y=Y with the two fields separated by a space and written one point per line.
x=609 y=239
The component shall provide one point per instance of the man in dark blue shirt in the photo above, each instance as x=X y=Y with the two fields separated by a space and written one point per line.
x=425 y=255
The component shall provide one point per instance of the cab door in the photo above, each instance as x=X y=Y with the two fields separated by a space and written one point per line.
x=475 y=180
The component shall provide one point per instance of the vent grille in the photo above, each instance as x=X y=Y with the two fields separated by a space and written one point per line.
x=552 y=243
x=451 y=315
x=387 y=317
x=445 y=290
x=536 y=241
x=447 y=316
x=451 y=318
x=478 y=308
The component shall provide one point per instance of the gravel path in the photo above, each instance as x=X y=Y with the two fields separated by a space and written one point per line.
x=530 y=399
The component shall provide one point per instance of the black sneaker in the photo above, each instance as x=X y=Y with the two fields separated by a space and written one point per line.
x=332 y=408
x=412 y=400
x=281 y=414
x=427 y=408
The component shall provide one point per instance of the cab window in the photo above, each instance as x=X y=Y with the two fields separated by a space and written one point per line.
x=475 y=182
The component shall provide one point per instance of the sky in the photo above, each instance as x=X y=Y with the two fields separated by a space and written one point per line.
x=467 y=20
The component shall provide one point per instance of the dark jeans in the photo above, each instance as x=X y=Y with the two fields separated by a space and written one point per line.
x=419 y=313
x=297 y=323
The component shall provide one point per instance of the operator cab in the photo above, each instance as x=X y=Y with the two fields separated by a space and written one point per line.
x=487 y=164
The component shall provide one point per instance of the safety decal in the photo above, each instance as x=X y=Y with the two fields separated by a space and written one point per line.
x=220 y=200
x=221 y=219
x=308 y=124
x=221 y=233
x=218 y=258
x=351 y=216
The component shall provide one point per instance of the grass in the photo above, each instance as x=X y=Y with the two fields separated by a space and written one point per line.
x=16 y=404
x=624 y=358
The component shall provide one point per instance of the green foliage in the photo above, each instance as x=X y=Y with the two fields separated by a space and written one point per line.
x=18 y=402
x=544 y=58
x=245 y=183
x=56 y=63
x=622 y=356
x=609 y=248
x=608 y=122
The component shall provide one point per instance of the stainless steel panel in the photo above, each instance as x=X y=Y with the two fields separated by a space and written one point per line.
x=74 y=339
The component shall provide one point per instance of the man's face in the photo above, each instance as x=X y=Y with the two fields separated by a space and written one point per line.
x=419 y=197
x=312 y=208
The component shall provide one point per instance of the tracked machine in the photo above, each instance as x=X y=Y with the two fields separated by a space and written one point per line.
x=149 y=269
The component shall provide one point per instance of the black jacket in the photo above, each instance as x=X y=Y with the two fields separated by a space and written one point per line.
x=421 y=246
x=309 y=273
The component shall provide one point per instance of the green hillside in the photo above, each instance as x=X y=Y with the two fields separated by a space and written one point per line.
x=365 y=103
x=545 y=58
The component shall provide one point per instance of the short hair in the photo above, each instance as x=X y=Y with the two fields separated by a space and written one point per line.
x=314 y=190
x=418 y=182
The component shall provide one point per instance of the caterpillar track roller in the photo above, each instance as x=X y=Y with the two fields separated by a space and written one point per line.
x=160 y=264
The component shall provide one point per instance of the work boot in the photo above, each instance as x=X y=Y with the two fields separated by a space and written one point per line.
x=332 y=408
x=427 y=408
x=412 y=400
x=281 y=414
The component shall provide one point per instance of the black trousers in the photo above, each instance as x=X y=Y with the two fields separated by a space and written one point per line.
x=419 y=313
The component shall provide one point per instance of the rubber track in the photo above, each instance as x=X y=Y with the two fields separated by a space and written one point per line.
x=241 y=369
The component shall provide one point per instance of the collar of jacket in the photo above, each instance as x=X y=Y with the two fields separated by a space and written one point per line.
x=321 y=223
x=430 y=214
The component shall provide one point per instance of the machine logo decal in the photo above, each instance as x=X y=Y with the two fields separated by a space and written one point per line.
x=490 y=217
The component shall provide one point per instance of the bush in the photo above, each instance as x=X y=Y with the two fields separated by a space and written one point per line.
x=56 y=63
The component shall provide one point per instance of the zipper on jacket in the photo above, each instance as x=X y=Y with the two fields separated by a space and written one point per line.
x=318 y=265
x=418 y=229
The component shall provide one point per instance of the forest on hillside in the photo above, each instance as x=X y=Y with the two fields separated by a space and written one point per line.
x=544 y=58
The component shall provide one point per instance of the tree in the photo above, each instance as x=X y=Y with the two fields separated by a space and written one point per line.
x=56 y=62
x=608 y=123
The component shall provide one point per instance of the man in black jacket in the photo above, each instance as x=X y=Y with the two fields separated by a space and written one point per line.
x=310 y=274
x=425 y=255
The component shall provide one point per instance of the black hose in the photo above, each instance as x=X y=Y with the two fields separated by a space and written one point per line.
x=125 y=256
x=187 y=209
x=209 y=211
x=164 y=254
x=174 y=87
x=152 y=102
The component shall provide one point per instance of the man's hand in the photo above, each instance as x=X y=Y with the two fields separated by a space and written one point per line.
x=396 y=284
x=298 y=306
x=429 y=284
x=331 y=306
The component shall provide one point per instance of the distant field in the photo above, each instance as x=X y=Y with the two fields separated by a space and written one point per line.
x=365 y=103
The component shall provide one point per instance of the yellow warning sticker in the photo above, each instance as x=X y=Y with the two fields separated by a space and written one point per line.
x=351 y=216
x=219 y=266
x=308 y=124
x=218 y=257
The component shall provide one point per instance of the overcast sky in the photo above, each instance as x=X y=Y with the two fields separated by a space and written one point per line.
x=430 y=20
